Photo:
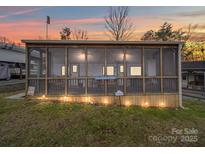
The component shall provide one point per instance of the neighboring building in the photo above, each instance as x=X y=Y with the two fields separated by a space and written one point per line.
x=193 y=75
x=12 y=61
x=145 y=73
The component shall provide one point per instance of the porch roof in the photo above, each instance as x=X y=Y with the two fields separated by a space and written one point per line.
x=97 y=42
x=193 y=66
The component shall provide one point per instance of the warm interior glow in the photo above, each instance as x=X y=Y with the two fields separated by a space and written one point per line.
x=75 y=69
x=121 y=68
x=135 y=70
x=110 y=70
x=63 y=70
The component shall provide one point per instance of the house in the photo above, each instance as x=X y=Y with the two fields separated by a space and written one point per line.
x=144 y=73
x=193 y=75
x=12 y=61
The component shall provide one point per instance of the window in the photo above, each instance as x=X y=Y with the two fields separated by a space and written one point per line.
x=169 y=61
x=152 y=61
x=135 y=71
x=75 y=69
x=121 y=68
x=76 y=62
x=133 y=61
x=110 y=70
x=115 y=61
x=56 y=62
x=63 y=70
x=96 y=61
x=37 y=62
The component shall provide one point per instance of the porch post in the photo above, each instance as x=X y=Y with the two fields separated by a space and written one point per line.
x=27 y=69
x=180 y=75
x=46 y=77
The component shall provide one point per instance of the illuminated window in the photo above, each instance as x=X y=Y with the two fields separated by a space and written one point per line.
x=63 y=70
x=121 y=68
x=110 y=70
x=75 y=68
x=135 y=70
x=103 y=70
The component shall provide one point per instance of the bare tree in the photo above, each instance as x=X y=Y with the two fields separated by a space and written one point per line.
x=118 y=24
x=80 y=34
x=190 y=30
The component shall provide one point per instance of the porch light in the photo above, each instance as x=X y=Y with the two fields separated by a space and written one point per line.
x=105 y=102
x=146 y=104
x=162 y=104
x=127 y=104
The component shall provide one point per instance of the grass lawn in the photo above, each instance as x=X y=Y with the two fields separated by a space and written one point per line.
x=31 y=123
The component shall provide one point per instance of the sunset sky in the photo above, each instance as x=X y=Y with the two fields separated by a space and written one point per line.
x=18 y=23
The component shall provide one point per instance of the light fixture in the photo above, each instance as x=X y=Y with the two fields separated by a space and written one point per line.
x=105 y=102
x=127 y=103
x=162 y=104
x=146 y=104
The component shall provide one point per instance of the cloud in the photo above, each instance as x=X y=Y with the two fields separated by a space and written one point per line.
x=191 y=14
x=22 y=12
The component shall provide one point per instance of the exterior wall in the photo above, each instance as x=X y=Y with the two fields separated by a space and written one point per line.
x=154 y=87
x=145 y=100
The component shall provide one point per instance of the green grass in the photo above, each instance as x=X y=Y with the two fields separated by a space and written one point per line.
x=31 y=123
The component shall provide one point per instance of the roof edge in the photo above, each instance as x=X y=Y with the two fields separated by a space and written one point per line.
x=99 y=42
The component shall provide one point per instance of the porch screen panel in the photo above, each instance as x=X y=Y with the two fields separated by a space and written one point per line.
x=56 y=87
x=76 y=86
x=115 y=57
x=152 y=85
x=170 y=85
x=39 y=85
x=134 y=62
x=76 y=62
x=37 y=62
x=96 y=86
x=152 y=61
x=134 y=85
x=96 y=61
x=114 y=85
x=169 y=61
x=56 y=62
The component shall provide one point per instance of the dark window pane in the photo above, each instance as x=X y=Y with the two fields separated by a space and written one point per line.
x=76 y=86
x=56 y=87
x=170 y=85
x=115 y=85
x=76 y=62
x=115 y=58
x=152 y=85
x=96 y=86
x=169 y=61
x=39 y=86
x=134 y=85
x=134 y=62
x=37 y=62
x=96 y=61
x=152 y=61
x=56 y=62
